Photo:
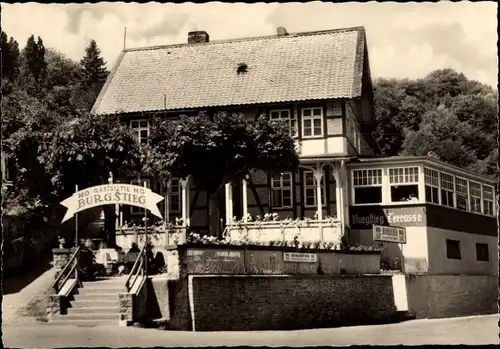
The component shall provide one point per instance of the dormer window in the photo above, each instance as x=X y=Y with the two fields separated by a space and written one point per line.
x=141 y=130
x=242 y=68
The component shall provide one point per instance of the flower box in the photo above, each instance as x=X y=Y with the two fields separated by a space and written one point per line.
x=265 y=232
x=158 y=236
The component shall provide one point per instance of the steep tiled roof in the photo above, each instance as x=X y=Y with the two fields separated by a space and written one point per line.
x=296 y=67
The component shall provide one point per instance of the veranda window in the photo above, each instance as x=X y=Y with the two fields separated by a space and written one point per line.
x=431 y=185
x=404 y=184
x=310 y=190
x=447 y=190
x=462 y=193
x=488 y=200
x=312 y=122
x=475 y=196
x=281 y=187
x=286 y=116
x=367 y=186
x=175 y=195
x=140 y=129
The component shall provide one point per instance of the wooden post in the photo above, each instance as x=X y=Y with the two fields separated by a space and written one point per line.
x=146 y=235
x=229 y=203
x=318 y=176
x=77 y=243
x=185 y=202
x=245 y=200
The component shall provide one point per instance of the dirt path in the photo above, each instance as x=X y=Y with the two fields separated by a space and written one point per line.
x=22 y=293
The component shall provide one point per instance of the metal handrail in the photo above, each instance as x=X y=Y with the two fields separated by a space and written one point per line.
x=140 y=266
x=69 y=266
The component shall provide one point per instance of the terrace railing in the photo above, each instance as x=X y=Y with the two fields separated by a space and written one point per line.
x=71 y=268
x=139 y=269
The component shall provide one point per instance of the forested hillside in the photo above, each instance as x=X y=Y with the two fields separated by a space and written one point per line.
x=443 y=115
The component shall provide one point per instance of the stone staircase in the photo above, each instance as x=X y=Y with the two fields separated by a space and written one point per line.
x=94 y=303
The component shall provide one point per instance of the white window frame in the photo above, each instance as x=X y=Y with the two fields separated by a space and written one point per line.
x=475 y=195
x=487 y=200
x=373 y=183
x=403 y=179
x=313 y=186
x=134 y=210
x=462 y=193
x=174 y=193
x=311 y=118
x=453 y=204
x=281 y=187
x=137 y=126
x=292 y=121
x=428 y=182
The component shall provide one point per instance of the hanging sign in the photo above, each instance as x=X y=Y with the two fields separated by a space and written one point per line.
x=109 y=194
x=389 y=234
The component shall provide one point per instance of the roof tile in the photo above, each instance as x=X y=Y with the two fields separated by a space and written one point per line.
x=298 y=67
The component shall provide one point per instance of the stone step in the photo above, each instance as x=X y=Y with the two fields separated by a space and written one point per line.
x=94 y=303
x=93 y=310
x=88 y=316
x=84 y=322
x=100 y=290
x=96 y=297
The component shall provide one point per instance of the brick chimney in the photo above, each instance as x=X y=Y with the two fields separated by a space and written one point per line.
x=198 y=37
x=282 y=31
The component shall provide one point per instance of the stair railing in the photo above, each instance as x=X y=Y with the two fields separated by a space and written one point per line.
x=139 y=269
x=71 y=268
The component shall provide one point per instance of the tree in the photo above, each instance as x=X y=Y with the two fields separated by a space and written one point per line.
x=10 y=57
x=443 y=114
x=218 y=150
x=94 y=73
x=85 y=151
x=94 y=67
x=34 y=55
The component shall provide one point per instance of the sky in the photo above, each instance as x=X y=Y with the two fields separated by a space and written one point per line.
x=405 y=40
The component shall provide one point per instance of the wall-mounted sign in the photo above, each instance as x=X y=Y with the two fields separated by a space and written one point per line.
x=389 y=234
x=299 y=257
x=363 y=217
x=110 y=194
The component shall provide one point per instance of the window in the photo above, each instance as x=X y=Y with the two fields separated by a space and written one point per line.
x=404 y=184
x=135 y=209
x=367 y=186
x=447 y=190
x=488 y=200
x=175 y=195
x=475 y=196
x=281 y=187
x=310 y=190
x=482 y=253
x=140 y=129
x=453 y=249
x=312 y=122
x=431 y=185
x=462 y=193
x=285 y=115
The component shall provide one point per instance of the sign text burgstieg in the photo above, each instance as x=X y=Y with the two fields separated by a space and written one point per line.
x=108 y=194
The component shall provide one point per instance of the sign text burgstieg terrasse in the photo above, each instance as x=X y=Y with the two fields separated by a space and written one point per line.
x=391 y=218
x=108 y=194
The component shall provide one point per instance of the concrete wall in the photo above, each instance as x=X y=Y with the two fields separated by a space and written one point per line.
x=286 y=303
x=468 y=264
x=439 y=296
